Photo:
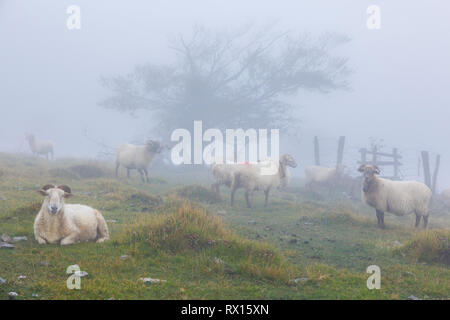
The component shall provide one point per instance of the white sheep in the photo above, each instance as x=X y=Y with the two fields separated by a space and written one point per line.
x=40 y=147
x=329 y=177
x=223 y=174
x=264 y=176
x=66 y=224
x=137 y=157
x=397 y=197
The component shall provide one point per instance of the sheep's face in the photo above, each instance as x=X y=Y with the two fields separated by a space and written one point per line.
x=369 y=172
x=289 y=161
x=54 y=197
x=154 y=146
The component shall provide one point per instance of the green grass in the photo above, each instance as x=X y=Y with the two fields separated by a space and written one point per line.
x=207 y=250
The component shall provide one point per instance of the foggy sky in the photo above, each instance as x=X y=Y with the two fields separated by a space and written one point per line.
x=49 y=76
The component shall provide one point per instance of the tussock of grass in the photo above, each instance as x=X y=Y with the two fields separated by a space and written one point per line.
x=80 y=171
x=190 y=230
x=429 y=246
x=197 y=193
x=31 y=209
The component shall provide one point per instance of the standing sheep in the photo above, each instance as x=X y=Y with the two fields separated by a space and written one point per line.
x=329 y=177
x=137 y=157
x=40 y=147
x=397 y=197
x=223 y=174
x=66 y=224
x=251 y=177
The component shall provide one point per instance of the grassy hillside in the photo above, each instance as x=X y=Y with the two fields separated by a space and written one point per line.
x=303 y=246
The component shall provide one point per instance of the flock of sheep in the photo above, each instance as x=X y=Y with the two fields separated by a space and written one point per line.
x=67 y=224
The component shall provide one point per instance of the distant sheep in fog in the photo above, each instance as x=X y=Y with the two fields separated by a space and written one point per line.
x=40 y=147
x=66 y=224
x=137 y=157
x=223 y=174
x=317 y=175
x=396 y=197
x=251 y=178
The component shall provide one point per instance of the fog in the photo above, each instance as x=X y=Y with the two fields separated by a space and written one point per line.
x=398 y=91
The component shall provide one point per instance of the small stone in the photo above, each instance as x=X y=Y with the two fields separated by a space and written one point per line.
x=267 y=228
x=81 y=274
x=396 y=244
x=21 y=277
x=112 y=298
x=44 y=263
x=2 y=281
x=152 y=281
x=293 y=241
x=4 y=245
x=35 y=295
x=411 y=297
x=299 y=280
x=308 y=224
x=5 y=238
x=111 y=221
x=221 y=212
x=2 y=198
x=252 y=222
x=17 y=239
x=124 y=257
x=12 y=295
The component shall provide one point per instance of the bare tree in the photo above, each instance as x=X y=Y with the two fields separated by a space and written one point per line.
x=230 y=79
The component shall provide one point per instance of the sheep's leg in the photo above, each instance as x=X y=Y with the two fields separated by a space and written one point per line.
x=141 y=172
x=41 y=240
x=418 y=220
x=233 y=191
x=102 y=228
x=216 y=188
x=425 y=222
x=266 y=200
x=69 y=239
x=247 y=194
x=146 y=176
x=380 y=217
x=117 y=169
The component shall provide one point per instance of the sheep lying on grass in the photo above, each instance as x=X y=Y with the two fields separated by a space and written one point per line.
x=252 y=177
x=137 y=157
x=40 y=147
x=324 y=176
x=62 y=223
x=396 y=197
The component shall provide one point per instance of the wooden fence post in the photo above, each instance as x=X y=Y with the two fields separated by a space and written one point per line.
x=316 y=151
x=363 y=156
x=396 y=162
x=435 y=174
x=340 y=155
x=374 y=155
x=426 y=168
